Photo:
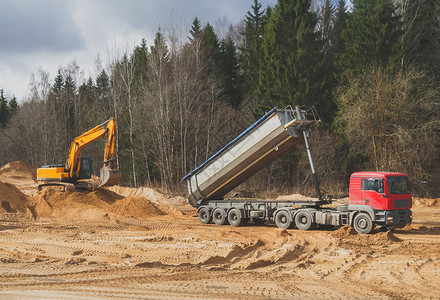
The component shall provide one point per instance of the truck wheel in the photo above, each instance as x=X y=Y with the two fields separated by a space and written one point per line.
x=363 y=223
x=304 y=220
x=283 y=219
x=204 y=215
x=219 y=216
x=234 y=217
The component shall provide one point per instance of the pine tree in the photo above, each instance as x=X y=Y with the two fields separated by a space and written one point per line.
x=58 y=82
x=252 y=53
x=229 y=72
x=372 y=36
x=4 y=109
x=69 y=103
x=103 y=86
x=326 y=25
x=211 y=49
x=328 y=71
x=336 y=36
x=291 y=57
x=13 y=106
x=421 y=37
x=140 y=56
x=160 y=48
x=196 y=30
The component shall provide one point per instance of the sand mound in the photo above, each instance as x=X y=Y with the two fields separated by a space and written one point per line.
x=19 y=169
x=91 y=205
x=135 y=206
x=149 y=193
x=348 y=236
x=426 y=202
x=11 y=199
x=422 y=228
x=20 y=174
x=344 y=232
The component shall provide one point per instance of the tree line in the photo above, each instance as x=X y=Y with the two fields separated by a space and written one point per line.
x=371 y=71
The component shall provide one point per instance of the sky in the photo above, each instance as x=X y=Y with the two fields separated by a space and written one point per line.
x=49 y=34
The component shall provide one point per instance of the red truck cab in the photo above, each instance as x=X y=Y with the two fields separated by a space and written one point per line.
x=385 y=196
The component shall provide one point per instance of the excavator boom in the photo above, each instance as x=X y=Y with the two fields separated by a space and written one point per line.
x=73 y=170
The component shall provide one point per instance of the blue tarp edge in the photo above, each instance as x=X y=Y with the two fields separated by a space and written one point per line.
x=233 y=142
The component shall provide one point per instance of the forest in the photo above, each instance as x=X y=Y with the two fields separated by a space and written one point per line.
x=371 y=69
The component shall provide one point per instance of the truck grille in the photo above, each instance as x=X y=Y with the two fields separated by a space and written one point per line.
x=401 y=203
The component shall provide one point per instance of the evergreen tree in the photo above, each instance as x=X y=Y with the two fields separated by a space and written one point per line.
x=196 y=30
x=69 y=103
x=58 y=82
x=421 y=37
x=229 y=72
x=291 y=57
x=13 y=106
x=103 y=86
x=328 y=71
x=372 y=35
x=4 y=109
x=326 y=25
x=140 y=56
x=211 y=49
x=160 y=48
x=252 y=53
x=336 y=36
x=86 y=91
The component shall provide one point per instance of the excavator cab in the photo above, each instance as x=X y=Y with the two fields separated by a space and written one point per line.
x=85 y=168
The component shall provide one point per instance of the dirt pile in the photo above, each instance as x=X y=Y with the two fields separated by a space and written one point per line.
x=344 y=232
x=151 y=194
x=422 y=229
x=135 y=206
x=426 y=202
x=91 y=205
x=348 y=238
x=11 y=199
x=19 y=169
x=21 y=175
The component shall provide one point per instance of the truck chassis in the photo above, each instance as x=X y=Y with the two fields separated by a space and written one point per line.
x=303 y=215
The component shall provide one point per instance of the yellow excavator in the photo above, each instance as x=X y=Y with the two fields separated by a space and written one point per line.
x=71 y=175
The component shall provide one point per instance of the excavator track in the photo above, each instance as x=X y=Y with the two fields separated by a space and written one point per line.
x=57 y=186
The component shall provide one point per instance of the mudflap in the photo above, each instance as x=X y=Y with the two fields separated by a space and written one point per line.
x=109 y=176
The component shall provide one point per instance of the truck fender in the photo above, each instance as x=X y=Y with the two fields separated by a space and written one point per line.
x=361 y=208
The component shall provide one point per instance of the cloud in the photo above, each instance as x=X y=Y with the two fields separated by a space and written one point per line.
x=51 y=33
x=28 y=26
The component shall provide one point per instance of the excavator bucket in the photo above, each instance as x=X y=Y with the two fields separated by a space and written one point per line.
x=109 y=176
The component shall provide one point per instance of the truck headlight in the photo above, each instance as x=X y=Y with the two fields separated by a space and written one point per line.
x=389 y=218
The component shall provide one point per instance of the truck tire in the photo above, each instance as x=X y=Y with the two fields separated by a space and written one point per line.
x=235 y=218
x=204 y=215
x=304 y=220
x=284 y=220
x=219 y=216
x=362 y=223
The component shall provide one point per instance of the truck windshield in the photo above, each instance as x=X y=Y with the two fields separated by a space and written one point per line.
x=398 y=185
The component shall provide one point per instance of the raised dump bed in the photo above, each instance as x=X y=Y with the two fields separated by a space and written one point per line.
x=272 y=135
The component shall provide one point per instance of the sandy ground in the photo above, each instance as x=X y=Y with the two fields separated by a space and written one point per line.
x=139 y=244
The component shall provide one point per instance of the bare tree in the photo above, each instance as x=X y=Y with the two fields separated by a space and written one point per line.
x=393 y=119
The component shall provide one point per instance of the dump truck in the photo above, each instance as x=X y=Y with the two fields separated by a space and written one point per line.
x=381 y=199
x=74 y=174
